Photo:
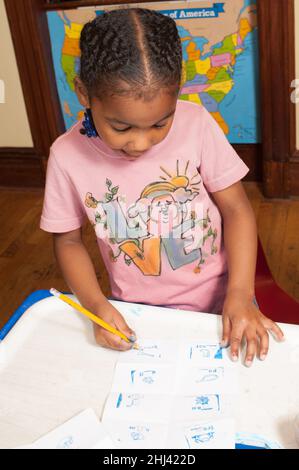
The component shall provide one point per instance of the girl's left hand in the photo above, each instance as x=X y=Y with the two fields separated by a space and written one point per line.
x=241 y=319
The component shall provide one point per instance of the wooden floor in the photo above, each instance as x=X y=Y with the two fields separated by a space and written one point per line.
x=27 y=262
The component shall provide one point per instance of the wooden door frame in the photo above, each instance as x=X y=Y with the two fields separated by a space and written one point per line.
x=275 y=162
x=277 y=71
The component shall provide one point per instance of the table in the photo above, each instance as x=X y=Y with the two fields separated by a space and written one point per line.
x=51 y=369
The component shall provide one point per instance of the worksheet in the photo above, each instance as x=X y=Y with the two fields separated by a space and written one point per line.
x=201 y=407
x=163 y=385
x=146 y=378
x=203 y=352
x=206 y=379
x=138 y=434
x=124 y=406
x=203 y=435
x=160 y=351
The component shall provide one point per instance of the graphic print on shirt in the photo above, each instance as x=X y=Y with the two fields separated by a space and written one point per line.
x=166 y=219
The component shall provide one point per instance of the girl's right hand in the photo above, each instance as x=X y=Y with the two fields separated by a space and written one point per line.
x=104 y=338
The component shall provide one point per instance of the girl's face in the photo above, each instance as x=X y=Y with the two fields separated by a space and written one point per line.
x=131 y=125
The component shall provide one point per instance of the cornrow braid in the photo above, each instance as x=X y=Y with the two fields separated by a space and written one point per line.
x=130 y=51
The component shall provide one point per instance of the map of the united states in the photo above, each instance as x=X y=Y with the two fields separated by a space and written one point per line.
x=220 y=55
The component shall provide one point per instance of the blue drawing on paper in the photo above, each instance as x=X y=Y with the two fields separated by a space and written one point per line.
x=206 y=403
x=151 y=351
x=138 y=433
x=209 y=375
x=205 y=351
x=130 y=400
x=146 y=376
x=199 y=435
x=119 y=400
x=65 y=443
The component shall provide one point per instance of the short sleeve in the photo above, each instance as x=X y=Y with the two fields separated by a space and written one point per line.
x=220 y=165
x=62 y=208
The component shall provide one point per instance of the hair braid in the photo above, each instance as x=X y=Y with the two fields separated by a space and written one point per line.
x=137 y=46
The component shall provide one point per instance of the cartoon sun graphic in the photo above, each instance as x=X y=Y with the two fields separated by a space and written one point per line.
x=173 y=182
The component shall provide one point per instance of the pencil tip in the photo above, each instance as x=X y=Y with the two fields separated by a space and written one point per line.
x=54 y=292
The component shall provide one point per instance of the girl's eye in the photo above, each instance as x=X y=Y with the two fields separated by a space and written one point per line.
x=121 y=130
x=128 y=128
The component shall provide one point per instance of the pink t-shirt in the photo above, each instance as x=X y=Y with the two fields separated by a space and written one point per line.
x=157 y=227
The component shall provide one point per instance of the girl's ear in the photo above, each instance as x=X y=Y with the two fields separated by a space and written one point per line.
x=81 y=92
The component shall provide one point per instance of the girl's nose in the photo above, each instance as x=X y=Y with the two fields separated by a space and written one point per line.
x=141 y=144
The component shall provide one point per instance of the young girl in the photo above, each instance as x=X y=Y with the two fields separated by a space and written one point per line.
x=159 y=182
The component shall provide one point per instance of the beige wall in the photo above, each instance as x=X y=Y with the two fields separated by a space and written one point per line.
x=297 y=60
x=14 y=128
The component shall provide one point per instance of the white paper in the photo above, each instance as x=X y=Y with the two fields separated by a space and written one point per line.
x=206 y=435
x=159 y=387
x=84 y=431
x=200 y=352
x=137 y=406
x=217 y=378
x=160 y=351
x=201 y=407
x=137 y=435
x=144 y=378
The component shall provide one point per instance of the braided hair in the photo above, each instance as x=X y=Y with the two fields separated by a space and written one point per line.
x=132 y=51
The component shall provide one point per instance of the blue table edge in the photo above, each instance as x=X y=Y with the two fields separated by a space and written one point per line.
x=28 y=302
x=43 y=294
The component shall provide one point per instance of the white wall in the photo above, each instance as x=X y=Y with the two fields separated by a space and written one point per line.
x=14 y=126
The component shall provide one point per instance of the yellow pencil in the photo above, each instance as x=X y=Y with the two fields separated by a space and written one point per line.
x=90 y=315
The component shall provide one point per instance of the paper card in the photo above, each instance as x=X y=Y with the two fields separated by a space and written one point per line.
x=205 y=379
x=200 y=407
x=144 y=378
x=138 y=435
x=137 y=407
x=84 y=431
x=198 y=352
x=105 y=443
x=218 y=434
x=159 y=351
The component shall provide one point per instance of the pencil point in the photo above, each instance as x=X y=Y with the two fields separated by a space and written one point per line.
x=54 y=292
x=132 y=338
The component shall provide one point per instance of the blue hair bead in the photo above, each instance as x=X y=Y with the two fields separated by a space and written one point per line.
x=88 y=125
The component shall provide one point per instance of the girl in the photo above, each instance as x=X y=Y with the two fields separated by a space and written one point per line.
x=160 y=184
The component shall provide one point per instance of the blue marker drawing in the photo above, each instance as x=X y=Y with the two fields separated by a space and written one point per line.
x=198 y=438
x=132 y=375
x=209 y=375
x=218 y=354
x=206 y=403
x=119 y=400
x=198 y=435
x=205 y=351
x=149 y=351
x=65 y=443
x=138 y=433
x=134 y=400
x=146 y=376
x=129 y=401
